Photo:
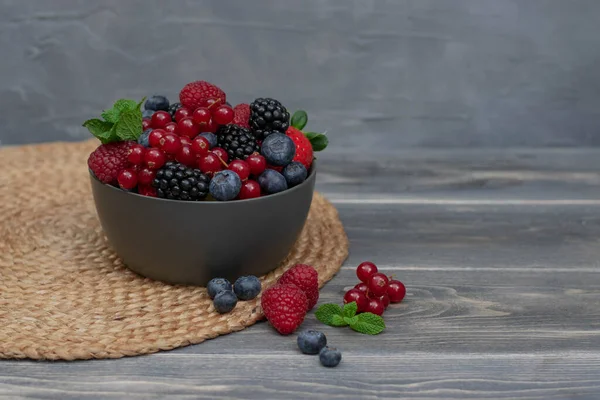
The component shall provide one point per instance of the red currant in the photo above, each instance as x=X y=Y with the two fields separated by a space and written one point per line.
x=378 y=284
x=185 y=141
x=396 y=290
x=170 y=143
x=212 y=103
x=221 y=153
x=241 y=168
x=147 y=190
x=200 y=146
x=211 y=127
x=209 y=163
x=365 y=270
x=146 y=176
x=362 y=287
x=136 y=154
x=375 y=306
x=188 y=127
x=186 y=156
x=160 y=119
x=385 y=299
x=223 y=115
x=155 y=158
x=182 y=113
x=127 y=179
x=171 y=127
x=202 y=116
x=146 y=124
x=257 y=164
x=250 y=190
x=357 y=296
x=155 y=136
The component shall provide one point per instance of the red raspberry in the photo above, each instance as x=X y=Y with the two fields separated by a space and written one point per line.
x=306 y=278
x=108 y=160
x=304 y=151
x=242 y=115
x=284 y=307
x=195 y=94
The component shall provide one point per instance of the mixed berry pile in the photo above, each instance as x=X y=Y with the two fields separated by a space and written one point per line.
x=201 y=147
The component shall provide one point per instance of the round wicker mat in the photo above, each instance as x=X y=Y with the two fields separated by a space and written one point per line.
x=65 y=295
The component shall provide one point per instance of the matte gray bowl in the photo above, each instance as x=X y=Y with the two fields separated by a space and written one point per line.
x=192 y=242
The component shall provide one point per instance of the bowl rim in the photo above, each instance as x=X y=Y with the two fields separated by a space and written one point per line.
x=313 y=172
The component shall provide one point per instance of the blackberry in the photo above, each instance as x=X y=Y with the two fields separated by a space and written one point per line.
x=238 y=142
x=173 y=109
x=267 y=115
x=178 y=182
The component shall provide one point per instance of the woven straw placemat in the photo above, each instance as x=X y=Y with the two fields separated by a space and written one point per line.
x=65 y=295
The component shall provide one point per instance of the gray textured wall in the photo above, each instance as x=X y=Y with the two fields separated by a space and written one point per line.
x=391 y=73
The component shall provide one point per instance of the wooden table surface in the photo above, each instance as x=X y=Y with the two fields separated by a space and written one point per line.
x=499 y=250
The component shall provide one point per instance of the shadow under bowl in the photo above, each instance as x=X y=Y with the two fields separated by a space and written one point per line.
x=185 y=242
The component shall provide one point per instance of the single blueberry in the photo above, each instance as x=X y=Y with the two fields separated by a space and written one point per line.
x=147 y=113
x=156 y=103
x=217 y=285
x=311 y=342
x=272 y=181
x=330 y=356
x=225 y=185
x=247 y=287
x=295 y=173
x=211 y=137
x=278 y=149
x=225 y=301
x=144 y=138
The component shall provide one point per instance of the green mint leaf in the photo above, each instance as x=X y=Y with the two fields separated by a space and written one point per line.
x=319 y=142
x=311 y=135
x=368 y=323
x=337 y=321
x=126 y=105
x=100 y=129
x=299 y=119
x=111 y=115
x=327 y=313
x=350 y=309
x=351 y=320
x=129 y=126
x=139 y=105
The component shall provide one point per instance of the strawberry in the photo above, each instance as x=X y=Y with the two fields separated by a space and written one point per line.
x=306 y=278
x=197 y=94
x=242 y=115
x=304 y=150
x=284 y=307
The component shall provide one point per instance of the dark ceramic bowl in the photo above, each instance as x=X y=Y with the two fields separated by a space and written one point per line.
x=193 y=242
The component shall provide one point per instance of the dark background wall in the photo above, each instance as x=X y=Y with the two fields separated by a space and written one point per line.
x=384 y=74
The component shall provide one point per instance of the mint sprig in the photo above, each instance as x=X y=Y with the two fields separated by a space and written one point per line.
x=122 y=122
x=334 y=315
x=319 y=141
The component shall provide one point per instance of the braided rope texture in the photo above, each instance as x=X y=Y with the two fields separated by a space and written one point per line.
x=65 y=295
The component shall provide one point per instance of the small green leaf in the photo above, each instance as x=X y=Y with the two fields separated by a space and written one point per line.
x=139 y=105
x=350 y=309
x=327 y=312
x=337 y=321
x=311 y=135
x=111 y=115
x=351 y=320
x=368 y=323
x=126 y=105
x=319 y=142
x=129 y=126
x=100 y=129
x=299 y=119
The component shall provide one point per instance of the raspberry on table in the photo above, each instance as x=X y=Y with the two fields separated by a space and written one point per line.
x=284 y=307
x=306 y=278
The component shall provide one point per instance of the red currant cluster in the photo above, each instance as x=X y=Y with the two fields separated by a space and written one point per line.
x=376 y=291
x=180 y=140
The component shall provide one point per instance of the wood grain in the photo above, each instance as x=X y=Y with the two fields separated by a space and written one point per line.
x=503 y=295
